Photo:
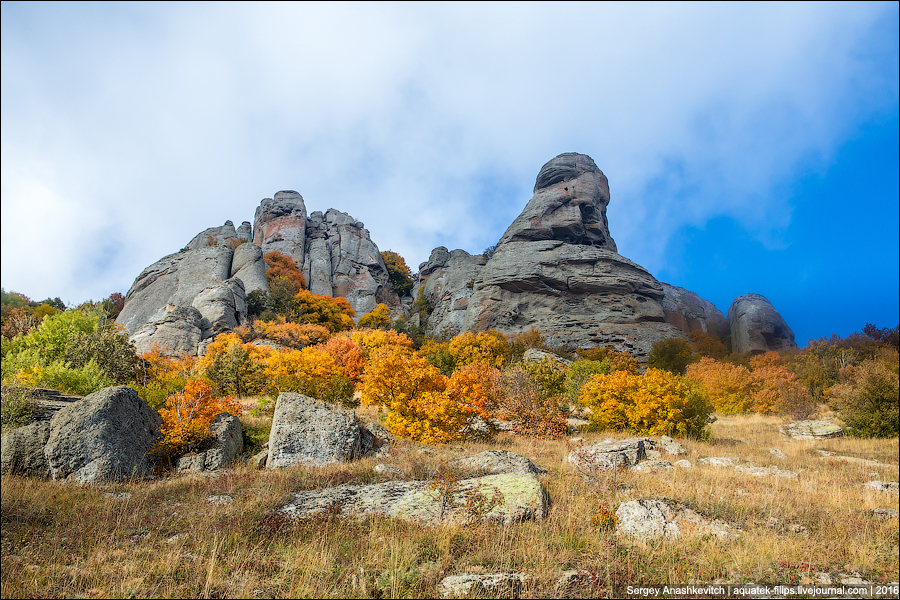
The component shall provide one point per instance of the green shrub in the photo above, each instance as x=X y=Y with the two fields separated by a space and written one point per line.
x=579 y=372
x=672 y=354
x=869 y=405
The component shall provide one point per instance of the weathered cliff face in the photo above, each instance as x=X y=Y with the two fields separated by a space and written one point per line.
x=280 y=224
x=688 y=312
x=556 y=268
x=334 y=252
x=342 y=260
x=757 y=327
x=447 y=284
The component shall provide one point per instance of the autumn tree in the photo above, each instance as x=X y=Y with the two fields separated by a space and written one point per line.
x=671 y=354
x=235 y=368
x=488 y=346
x=187 y=416
x=312 y=371
x=657 y=402
x=378 y=318
x=708 y=345
x=398 y=272
x=291 y=335
x=618 y=361
x=335 y=314
x=869 y=402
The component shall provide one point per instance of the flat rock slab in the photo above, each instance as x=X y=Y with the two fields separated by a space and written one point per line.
x=654 y=519
x=497 y=585
x=811 y=430
x=851 y=459
x=493 y=462
x=523 y=498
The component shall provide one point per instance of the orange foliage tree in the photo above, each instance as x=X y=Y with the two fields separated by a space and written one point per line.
x=348 y=355
x=311 y=371
x=292 y=335
x=187 y=415
x=370 y=339
x=282 y=267
x=730 y=387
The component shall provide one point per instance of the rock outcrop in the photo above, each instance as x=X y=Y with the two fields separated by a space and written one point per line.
x=654 y=519
x=556 y=268
x=217 y=269
x=688 y=312
x=228 y=445
x=106 y=436
x=308 y=432
x=280 y=224
x=609 y=455
x=447 y=281
x=22 y=451
x=524 y=498
x=757 y=327
x=342 y=260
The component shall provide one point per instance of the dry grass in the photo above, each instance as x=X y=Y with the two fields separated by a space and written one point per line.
x=168 y=540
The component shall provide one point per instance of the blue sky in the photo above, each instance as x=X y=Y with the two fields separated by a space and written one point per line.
x=749 y=147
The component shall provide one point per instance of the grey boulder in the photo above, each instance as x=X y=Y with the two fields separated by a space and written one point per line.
x=106 y=436
x=22 y=451
x=308 y=432
x=757 y=327
x=228 y=445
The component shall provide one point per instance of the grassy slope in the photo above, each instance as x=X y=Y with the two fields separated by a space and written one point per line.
x=167 y=540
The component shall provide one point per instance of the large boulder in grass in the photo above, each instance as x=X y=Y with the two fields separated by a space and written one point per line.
x=227 y=445
x=609 y=455
x=105 y=436
x=23 y=451
x=493 y=462
x=523 y=496
x=654 y=519
x=308 y=432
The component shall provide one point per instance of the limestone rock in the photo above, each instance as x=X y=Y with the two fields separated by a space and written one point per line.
x=218 y=236
x=653 y=465
x=811 y=430
x=177 y=331
x=671 y=446
x=492 y=462
x=580 y=295
x=105 y=436
x=249 y=266
x=719 y=461
x=569 y=204
x=342 y=260
x=173 y=281
x=228 y=445
x=535 y=355
x=280 y=224
x=22 y=451
x=524 y=499
x=609 y=455
x=688 y=312
x=306 y=431
x=494 y=585
x=757 y=327
x=447 y=283
x=223 y=307
x=653 y=519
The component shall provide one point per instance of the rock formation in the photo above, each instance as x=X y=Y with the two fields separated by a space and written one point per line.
x=308 y=432
x=688 y=312
x=220 y=266
x=106 y=436
x=556 y=268
x=228 y=445
x=447 y=284
x=757 y=327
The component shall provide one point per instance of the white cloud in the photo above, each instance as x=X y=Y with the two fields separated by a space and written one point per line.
x=148 y=123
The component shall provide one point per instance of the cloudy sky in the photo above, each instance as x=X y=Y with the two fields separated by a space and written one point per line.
x=749 y=147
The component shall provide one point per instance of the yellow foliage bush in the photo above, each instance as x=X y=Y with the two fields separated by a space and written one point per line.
x=370 y=339
x=422 y=403
x=730 y=387
x=658 y=402
x=378 y=318
x=292 y=335
x=488 y=346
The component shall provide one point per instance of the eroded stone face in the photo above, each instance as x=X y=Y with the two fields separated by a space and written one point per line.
x=280 y=224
